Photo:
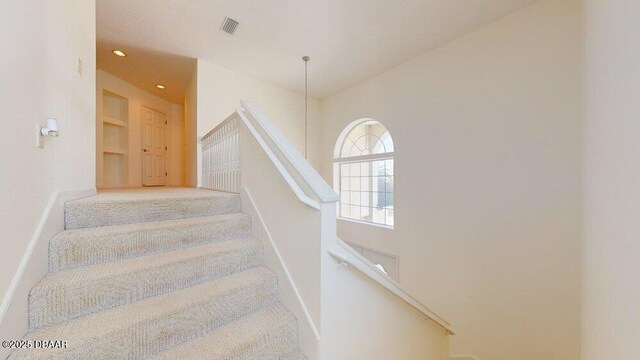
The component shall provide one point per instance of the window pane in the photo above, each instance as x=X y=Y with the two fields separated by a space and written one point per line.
x=361 y=145
x=365 y=213
x=355 y=169
x=390 y=217
x=345 y=183
x=354 y=184
x=356 y=198
x=379 y=216
x=365 y=168
x=373 y=199
x=354 y=212
x=344 y=211
x=389 y=166
x=388 y=184
x=344 y=197
x=368 y=137
x=365 y=183
x=344 y=170
x=366 y=192
x=379 y=168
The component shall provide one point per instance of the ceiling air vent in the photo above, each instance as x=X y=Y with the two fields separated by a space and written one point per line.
x=229 y=25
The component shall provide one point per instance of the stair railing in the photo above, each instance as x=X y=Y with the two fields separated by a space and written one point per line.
x=303 y=233
x=306 y=183
x=347 y=255
x=221 y=156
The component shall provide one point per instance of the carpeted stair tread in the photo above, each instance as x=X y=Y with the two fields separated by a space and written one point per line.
x=144 y=328
x=89 y=246
x=154 y=272
x=296 y=355
x=269 y=333
x=144 y=205
x=64 y=295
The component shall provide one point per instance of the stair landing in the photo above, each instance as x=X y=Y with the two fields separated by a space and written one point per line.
x=130 y=206
x=151 y=193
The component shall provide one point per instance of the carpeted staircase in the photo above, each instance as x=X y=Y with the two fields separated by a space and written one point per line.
x=159 y=274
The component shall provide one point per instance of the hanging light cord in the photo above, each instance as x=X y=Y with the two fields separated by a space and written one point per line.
x=306 y=83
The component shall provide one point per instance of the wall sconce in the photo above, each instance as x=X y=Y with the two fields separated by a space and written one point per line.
x=52 y=129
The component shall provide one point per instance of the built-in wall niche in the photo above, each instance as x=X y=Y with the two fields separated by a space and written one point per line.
x=115 y=108
x=113 y=137
x=115 y=142
x=115 y=169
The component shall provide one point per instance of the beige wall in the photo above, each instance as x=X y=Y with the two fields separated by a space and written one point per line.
x=191 y=131
x=611 y=290
x=38 y=79
x=488 y=204
x=176 y=155
x=175 y=128
x=220 y=90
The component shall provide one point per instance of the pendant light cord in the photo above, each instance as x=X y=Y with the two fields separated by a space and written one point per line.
x=306 y=83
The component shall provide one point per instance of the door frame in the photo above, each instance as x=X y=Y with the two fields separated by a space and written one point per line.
x=166 y=147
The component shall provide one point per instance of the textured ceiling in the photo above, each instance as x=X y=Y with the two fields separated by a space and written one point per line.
x=348 y=40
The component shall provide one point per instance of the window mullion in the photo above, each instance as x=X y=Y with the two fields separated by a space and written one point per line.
x=384 y=156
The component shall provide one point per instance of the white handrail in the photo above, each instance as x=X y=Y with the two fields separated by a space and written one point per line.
x=366 y=267
x=278 y=164
x=304 y=181
x=316 y=184
x=311 y=189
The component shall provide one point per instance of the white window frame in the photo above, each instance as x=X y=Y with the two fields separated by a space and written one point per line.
x=338 y=161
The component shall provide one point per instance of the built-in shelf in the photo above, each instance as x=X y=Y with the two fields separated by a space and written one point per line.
x=114 y=142
x=110 y=150
x=113 y=121
x=115 y=170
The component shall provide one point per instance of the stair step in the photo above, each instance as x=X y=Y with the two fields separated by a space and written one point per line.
x=269 y=333
x=68 y=294
x=144 y=328
x=296 y=355
x=144 y=205
x=90 y=246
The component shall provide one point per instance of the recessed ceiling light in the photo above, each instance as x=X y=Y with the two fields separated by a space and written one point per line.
x=161 y=87
x=119 y=52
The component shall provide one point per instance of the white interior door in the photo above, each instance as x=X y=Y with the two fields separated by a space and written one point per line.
x=153 y=148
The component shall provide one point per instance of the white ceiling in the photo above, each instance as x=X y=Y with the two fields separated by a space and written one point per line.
x=348 y=40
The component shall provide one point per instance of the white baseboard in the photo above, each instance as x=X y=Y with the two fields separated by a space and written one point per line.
x=308 y=334
x=33 y=266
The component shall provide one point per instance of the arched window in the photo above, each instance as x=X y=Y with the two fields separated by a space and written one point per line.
x=363 y=173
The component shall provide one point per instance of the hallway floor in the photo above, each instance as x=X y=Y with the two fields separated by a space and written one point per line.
x=150 y=193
